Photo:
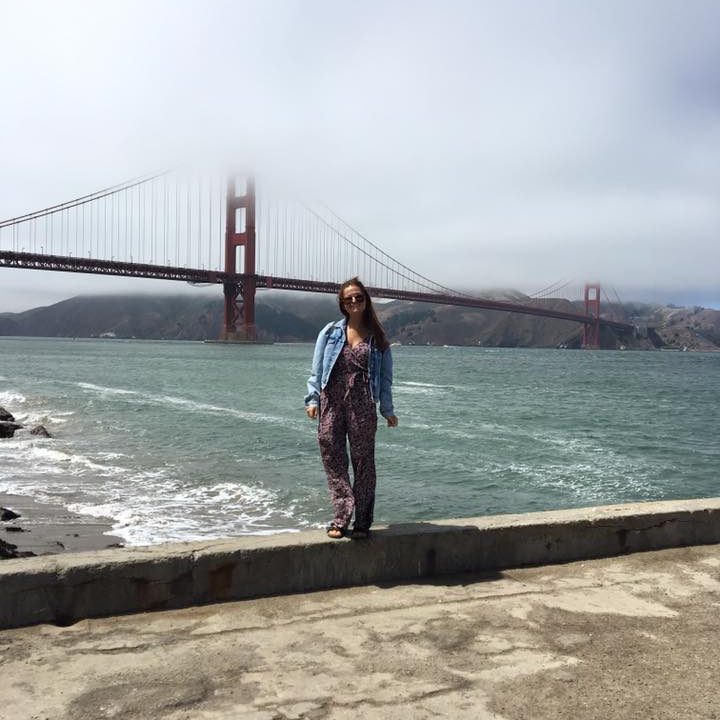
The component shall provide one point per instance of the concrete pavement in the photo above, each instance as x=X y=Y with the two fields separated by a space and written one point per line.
x=626 y=637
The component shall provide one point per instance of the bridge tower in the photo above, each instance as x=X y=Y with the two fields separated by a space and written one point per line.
x=591 y=330
x=239 y=320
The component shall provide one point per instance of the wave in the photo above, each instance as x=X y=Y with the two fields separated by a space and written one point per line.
x=36 y=417
x=464 y=441
x=106 y=390
x=32 y=454
x=607 y=480
x=32 y=410
x=426 y=385
x=147 y=507
x=228 y=509
x=12 y=398
x=193 y=405
x=408 y=390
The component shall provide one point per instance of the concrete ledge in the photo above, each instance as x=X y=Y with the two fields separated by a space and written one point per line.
x=64 y=588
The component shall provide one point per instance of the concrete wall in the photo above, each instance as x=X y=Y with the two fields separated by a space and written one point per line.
x=64 y=588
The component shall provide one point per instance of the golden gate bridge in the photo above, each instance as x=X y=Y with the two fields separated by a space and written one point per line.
x=214 y=230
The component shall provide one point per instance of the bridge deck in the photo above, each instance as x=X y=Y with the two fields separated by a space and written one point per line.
x=60 y=263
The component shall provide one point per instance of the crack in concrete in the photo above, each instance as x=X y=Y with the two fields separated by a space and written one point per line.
x=111 y=651
x=322 y=616
x=334 y=703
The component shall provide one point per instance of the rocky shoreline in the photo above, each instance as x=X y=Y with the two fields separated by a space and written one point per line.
x=8 y=426
x=29 y=527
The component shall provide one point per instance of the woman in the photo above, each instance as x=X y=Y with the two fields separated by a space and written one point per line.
x=351 y=371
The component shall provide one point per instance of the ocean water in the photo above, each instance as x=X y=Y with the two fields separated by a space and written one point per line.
x=180 y=441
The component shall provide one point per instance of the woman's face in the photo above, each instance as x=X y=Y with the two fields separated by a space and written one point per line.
x=353 y=299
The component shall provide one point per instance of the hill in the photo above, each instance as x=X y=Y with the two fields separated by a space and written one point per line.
x=165 y=317
x=297 y=317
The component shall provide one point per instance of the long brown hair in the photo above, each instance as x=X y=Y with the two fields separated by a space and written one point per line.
x=370 y=319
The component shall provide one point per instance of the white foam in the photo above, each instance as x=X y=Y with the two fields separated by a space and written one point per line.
x=43 y=417
x=589 y=481
x=106 y=390
x=426 y=385
x=47 y=454
x=164 y=512
x=457 y=434
x=407 y=390
x=12 y=398
x=193 y=405
x=216 y=409
x=110 y=455
x=32 y=418
x=103 y=470
x=34 y=454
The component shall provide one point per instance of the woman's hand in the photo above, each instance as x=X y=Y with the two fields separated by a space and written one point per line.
x=311 y=411
x=392 y=421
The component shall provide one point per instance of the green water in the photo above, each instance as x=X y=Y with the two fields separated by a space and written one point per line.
x=188 y=440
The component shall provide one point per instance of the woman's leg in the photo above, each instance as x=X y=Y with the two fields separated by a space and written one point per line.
x=362 y=426
x=331 y=437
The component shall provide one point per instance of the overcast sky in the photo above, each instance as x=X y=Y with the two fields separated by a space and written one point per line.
x=485 y=144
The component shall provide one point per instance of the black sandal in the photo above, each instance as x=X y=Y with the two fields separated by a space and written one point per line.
x=338 y=533
x=360 y=533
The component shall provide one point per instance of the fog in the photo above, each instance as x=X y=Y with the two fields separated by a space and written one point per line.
x=513 y=144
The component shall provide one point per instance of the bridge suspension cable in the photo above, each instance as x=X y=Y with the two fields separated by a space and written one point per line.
x=622 y=312
x=299 y=239
x=553 y=288
x=80 y=201
x=176 y=220
x=167 y=219
x=175 y=226
x=388 y=261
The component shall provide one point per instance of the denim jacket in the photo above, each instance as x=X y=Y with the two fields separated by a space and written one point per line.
x=328 y=347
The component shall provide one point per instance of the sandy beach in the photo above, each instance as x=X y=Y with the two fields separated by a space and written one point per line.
x=46 y=529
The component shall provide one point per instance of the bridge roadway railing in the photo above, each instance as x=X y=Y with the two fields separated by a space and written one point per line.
x=61 y=263
x=58 y=263
x=440 y=299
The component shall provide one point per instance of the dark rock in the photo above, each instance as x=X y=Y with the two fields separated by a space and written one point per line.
x=5 y=415
x=40 y=430
x=15 y=528
x=7 y=428
x=7 y=514
x=9 y=551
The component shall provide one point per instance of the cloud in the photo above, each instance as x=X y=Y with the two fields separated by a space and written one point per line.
x=482 y=144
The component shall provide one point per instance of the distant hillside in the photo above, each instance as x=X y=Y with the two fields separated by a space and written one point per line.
x=297 y=317
x=422 y=324
x=164 y=317
x=694 y=328
x=666 y=327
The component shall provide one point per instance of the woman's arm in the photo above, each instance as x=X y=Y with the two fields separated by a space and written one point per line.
x=386 y=378
x=312 y=399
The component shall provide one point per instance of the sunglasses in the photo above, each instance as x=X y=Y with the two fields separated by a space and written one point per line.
x=354 y=299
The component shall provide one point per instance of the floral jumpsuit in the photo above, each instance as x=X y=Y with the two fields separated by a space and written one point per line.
x=347 y=411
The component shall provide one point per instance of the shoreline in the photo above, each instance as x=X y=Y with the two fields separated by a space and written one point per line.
x=666 y=348
x=48 y=529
